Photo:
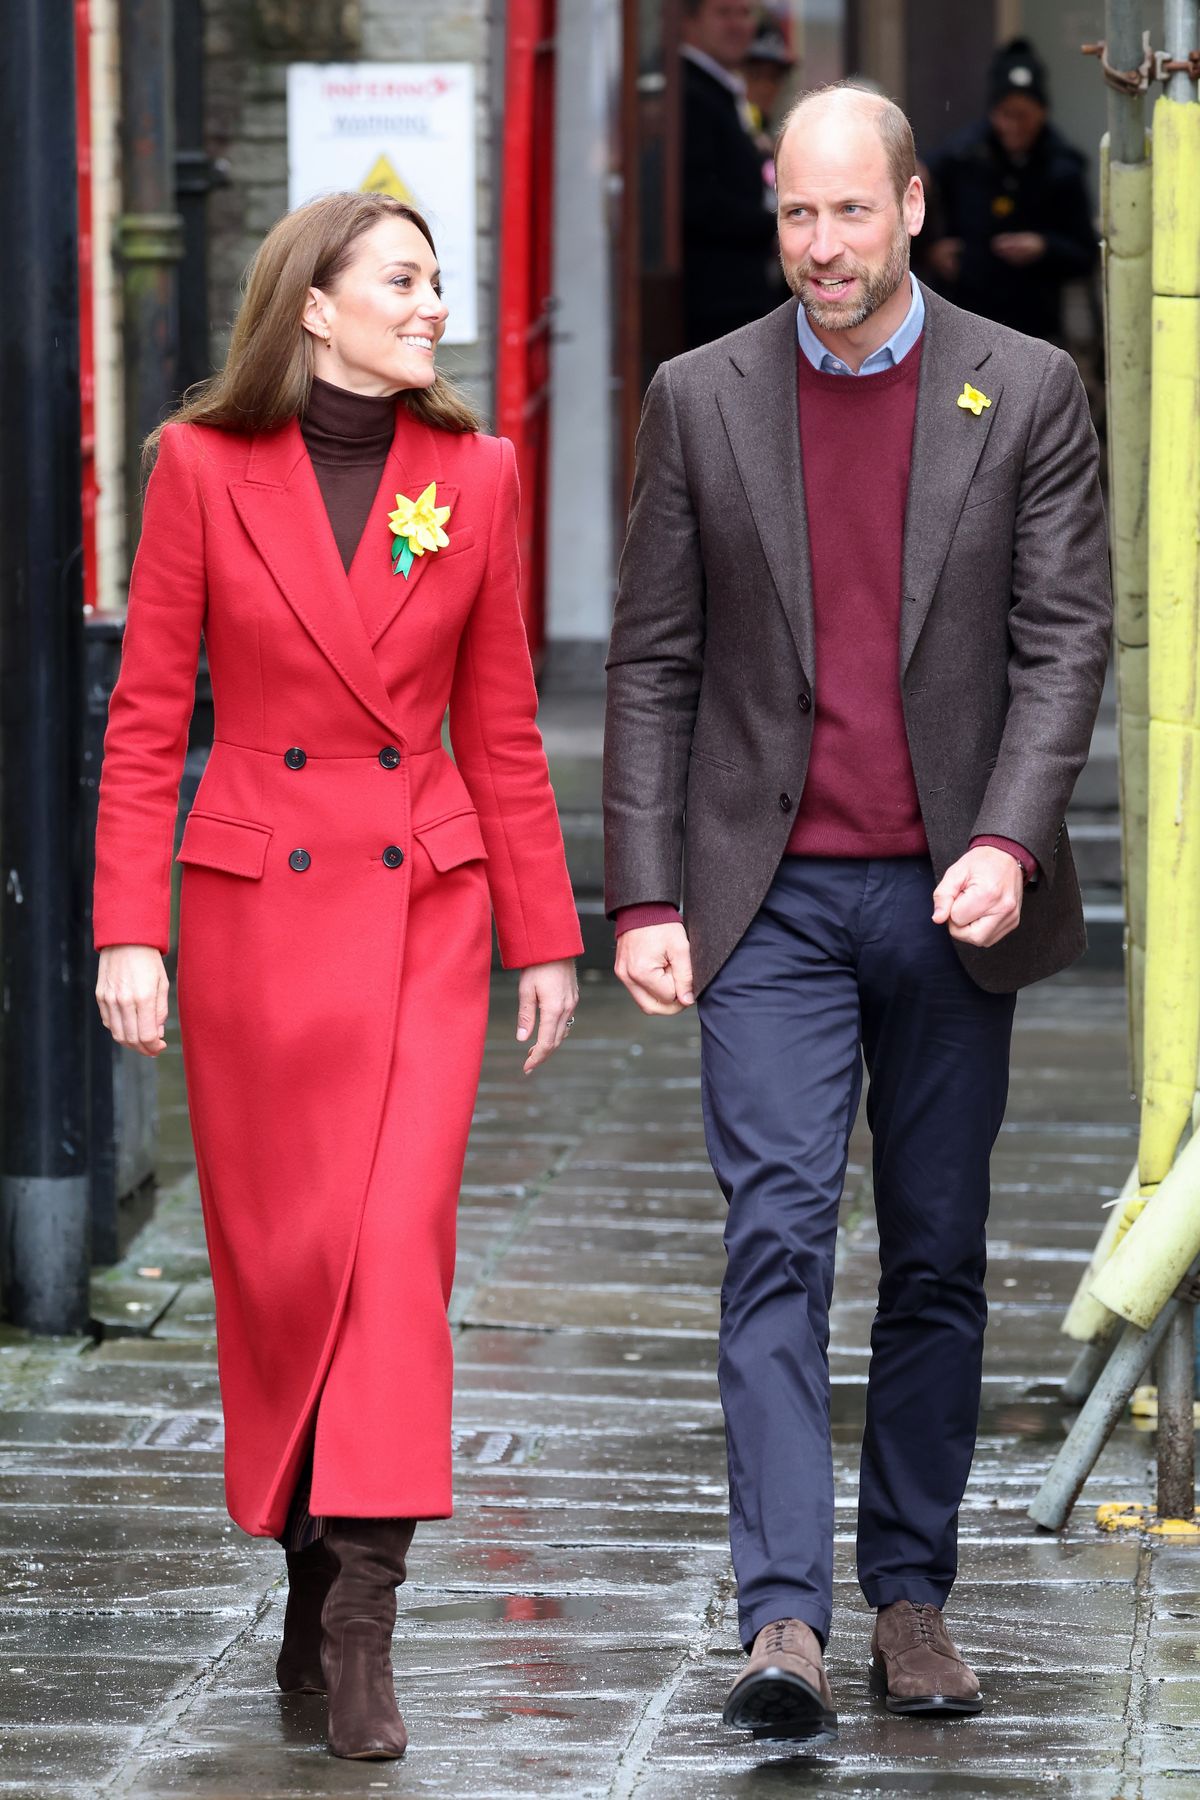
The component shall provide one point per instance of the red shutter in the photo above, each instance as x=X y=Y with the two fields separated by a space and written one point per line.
x=87 y=338
x=526 y=273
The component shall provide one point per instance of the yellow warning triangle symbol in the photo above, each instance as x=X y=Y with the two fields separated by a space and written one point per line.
x=384 y=179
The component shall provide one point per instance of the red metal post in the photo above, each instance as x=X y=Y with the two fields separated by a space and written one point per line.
x=87 y=335
x=526 y=269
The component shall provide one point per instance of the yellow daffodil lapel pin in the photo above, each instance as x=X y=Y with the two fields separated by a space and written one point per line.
x=971 y=400
x=418 y=527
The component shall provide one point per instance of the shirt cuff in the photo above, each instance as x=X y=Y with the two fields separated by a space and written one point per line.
x=654 y=912
x=1027 y=861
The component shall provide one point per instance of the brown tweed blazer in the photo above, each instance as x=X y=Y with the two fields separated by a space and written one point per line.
x=1005 y=625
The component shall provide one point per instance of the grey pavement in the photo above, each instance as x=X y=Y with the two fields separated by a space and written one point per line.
x=571 y=1631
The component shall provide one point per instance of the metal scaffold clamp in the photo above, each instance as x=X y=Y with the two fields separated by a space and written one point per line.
x=1156 y=65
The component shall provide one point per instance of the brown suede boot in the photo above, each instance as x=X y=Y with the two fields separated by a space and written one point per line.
x=310 y=1572
x=915 y=1664
x=357 y=1622
x=782 y=1692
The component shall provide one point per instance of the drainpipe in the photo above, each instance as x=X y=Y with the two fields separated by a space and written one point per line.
x=44 y=1192
x=149 y=234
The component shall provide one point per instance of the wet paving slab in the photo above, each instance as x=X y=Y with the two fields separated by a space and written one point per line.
x=571 y=1631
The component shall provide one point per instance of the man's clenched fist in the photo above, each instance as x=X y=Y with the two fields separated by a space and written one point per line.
x=655 y=963
x=979 y=897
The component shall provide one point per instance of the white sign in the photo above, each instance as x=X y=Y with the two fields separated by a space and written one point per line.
x=406 y=129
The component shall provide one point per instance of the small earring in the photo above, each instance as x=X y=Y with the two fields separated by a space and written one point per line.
x=328 y=341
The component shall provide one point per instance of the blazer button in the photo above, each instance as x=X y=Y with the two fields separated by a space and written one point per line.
x=299 y=860
x=785 y=801
x=393 y=857
x=295 y=759
x=389 y=756
x=804 y=703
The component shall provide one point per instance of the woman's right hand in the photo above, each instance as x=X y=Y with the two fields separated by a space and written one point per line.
x=131 y=992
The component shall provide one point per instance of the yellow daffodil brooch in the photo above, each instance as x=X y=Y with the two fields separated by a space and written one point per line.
x=971 y=400
x=418 y=527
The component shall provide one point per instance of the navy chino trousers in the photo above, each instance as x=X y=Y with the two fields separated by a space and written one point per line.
x=843 y=962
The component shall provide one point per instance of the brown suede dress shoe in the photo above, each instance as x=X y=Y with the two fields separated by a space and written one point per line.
x=915 y=1664
x=782 y=1692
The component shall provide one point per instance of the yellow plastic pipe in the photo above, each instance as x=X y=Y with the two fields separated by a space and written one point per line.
x=1147 y=1263
x=1153 y=1256
x=1126 y=203
x=1176 y=240
x=1172 y=1041
x=1086 y=1319
x=1172 y=991
x=1126 y=209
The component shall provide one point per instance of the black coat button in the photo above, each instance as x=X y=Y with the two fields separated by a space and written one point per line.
x=389 y=756
x=299 y=860
x=804 y=703
x=295 y=759
x=785 y=801
x=393 y=857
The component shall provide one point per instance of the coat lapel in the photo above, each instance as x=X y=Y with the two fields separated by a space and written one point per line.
x=760 y=411
x=280 y=504
x=947 y=443
x=412 y=463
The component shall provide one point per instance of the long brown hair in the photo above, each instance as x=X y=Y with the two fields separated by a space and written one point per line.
x=268 y=370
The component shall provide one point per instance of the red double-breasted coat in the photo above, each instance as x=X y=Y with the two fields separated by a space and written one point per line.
x=340 y=875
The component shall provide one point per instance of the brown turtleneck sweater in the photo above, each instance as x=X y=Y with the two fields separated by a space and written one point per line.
x=348 y=437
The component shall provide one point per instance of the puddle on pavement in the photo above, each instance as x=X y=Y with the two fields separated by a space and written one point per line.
x=506 y=1707
x=510 y=1608
x=1035 y=1414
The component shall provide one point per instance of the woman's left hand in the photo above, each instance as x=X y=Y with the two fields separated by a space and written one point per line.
x=551 y=990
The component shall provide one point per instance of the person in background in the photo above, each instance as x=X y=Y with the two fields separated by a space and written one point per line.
x=1015 y=220
x=765 y=72
x=728 y=206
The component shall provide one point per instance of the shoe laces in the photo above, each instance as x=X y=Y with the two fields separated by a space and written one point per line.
x=923 y=1625
x=776 y=1637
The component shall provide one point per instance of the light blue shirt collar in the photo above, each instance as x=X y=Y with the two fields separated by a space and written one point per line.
x=887 y=355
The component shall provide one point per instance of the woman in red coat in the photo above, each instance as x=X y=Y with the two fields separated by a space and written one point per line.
x=329 y=517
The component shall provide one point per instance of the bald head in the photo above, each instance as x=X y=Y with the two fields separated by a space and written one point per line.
x=851 y=123
x=849 y=204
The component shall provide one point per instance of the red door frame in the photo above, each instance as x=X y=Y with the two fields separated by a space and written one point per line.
x=526 y=280
x=87 y=335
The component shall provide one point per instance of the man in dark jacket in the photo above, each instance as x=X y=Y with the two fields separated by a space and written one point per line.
x=1013 y=205
x=859 y=645
x=728 y=209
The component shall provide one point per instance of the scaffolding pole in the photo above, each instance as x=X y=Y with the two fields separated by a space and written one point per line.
x=1126 y=209
x=1103 y=1411
x=1139 y=1280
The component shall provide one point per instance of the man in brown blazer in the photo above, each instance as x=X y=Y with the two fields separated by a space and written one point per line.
x=859 y=646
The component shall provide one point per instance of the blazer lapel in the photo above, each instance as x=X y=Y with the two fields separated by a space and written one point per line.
x=411 y=465
x=280 y=504
x=947 y=443
x=760 y=412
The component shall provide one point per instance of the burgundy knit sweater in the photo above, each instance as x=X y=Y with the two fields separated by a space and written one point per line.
x=860 y=795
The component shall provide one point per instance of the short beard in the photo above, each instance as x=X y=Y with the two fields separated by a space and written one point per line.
x=878 y=286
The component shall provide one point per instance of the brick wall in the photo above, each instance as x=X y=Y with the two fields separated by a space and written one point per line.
x=248 y=45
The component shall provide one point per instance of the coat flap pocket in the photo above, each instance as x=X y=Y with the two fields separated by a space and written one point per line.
x=999 y=478
x=459 y=540
x=231 y=845
x=448 y=842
